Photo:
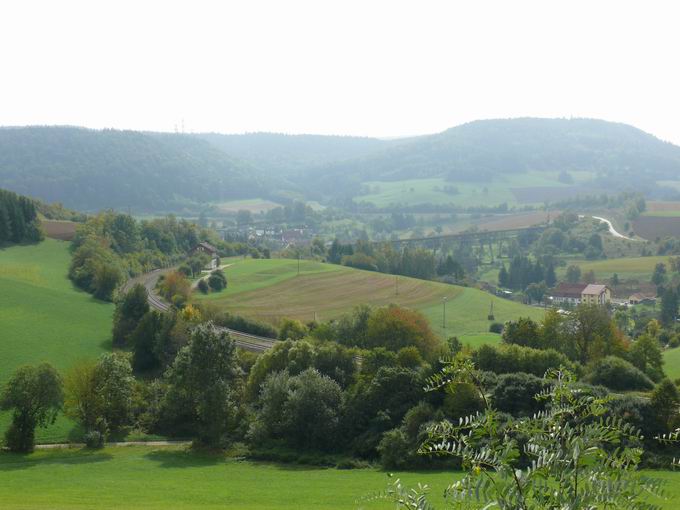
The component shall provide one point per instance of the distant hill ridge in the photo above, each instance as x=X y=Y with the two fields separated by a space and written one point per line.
x=620 y=155
x=156 y=172
x=90 y=169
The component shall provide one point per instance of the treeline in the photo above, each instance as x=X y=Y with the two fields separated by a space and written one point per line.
x=523 y=272
x=19 y=221
x=414 y=262
x=110 y=247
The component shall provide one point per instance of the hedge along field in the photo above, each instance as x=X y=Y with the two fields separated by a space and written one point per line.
x=170 y=477
x=270 y=289
x=43 y=317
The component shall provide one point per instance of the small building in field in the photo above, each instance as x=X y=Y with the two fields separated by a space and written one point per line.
x=595 y=294
x=641 y=299
x=568 y=293
x=208 y=249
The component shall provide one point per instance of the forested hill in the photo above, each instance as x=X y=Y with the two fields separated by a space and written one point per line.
x=282 y=155
x=620 y=154
x=92 y=170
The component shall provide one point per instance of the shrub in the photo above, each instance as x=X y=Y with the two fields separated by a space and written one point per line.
x=395 y=450
x=503 y=359
x=292 y=329
x=245 y=325
x=515 y=393
x=618 y=374
x=395 y=327
x=496 y=327
x=217 y=280
x=203 y=286
x=94 y=439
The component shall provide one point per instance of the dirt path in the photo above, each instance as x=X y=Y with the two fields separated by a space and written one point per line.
x=612 y=230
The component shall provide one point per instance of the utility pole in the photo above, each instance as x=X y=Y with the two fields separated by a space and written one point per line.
x=444 y=314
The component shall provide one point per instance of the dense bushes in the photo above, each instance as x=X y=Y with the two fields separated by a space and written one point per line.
x=503 y=359
x=19 y=221
x=617 y=374
x=245 y=325
x=515 y=393
x=110 y=247
x=217 y=281
x=302 y=411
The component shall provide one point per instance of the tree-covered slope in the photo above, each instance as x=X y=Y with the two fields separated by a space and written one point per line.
x=620 y=155
x=91 y=169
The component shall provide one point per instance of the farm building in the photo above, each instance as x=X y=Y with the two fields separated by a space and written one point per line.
x=577 y=293
x=568 y=293
x=208 y=249
x=638 y=299
x=595 y=294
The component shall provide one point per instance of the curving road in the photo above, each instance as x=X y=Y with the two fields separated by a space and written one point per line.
x=612 y=230
x=243 y=340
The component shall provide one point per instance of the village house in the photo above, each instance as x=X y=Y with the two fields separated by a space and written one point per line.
x=568 y=293
x=595 y=294
x=577 y=293
x=210 y=250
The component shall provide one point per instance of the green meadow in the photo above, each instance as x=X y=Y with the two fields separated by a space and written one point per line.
x=172 y=477
x=271 y=289
x=43 y=317
x=640 y=268
x=432 y=190
x=671 y=359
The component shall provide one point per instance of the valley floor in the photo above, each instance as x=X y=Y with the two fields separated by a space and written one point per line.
x=172 y=477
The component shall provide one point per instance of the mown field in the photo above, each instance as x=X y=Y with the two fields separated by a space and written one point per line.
x=170 y=477
x=270 y=290
x=528 y=187
x=639 y=268
x=657 y=227
x=254 y=205
x=58 y=229
x=671 y=359
x=671 y=209
x=44 y=318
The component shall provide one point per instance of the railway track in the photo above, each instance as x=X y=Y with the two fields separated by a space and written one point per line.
x=243 y=340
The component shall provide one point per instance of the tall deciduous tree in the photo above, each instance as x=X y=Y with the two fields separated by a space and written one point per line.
x=129 y=311
x=34 y=395
x=206 y=381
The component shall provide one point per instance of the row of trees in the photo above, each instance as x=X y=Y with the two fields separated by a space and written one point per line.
x=385 y=258
x=523 y=272
x=19 y=221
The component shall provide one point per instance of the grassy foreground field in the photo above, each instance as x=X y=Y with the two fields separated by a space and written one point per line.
x=44 y=318
x=671 y=359
x=270 y=289
x=169 y=477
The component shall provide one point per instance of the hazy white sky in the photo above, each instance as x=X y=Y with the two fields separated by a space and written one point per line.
x=379 y=68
